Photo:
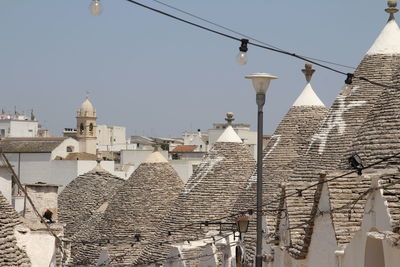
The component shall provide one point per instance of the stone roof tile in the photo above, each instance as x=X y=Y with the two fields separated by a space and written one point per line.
x=329 y=149
x=30 y=145
x=83 y=196
x=289 y=141
x=10 y=254
x=136 y=209
x=209 y=194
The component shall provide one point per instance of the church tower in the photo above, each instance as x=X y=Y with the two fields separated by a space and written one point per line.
x=86 y=127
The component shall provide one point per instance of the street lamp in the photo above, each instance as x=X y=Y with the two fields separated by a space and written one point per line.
x=242 y=224
x=260 y=83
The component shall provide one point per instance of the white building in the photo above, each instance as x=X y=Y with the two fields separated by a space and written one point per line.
x=18 y=126
x=199 y=139
x=48 y=160
x=110 y=138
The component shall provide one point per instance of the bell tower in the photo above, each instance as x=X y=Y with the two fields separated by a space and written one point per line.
x=86 y=127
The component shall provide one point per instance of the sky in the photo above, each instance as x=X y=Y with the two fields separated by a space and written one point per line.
x=159 y=77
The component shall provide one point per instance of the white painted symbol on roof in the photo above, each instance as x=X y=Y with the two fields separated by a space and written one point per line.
x=334 y=119
x=204 y=168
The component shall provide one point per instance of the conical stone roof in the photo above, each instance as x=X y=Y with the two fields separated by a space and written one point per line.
x=136 y=210
x=379 y=136
x=209 y=194
x=288 y=143
x=10 y=254
x=83 y=196
x=329 y=147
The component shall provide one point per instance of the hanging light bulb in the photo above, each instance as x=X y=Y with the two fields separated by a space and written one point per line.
x=241 y=58
x=95 y=8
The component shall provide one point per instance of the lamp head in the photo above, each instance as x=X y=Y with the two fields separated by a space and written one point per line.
x=242 y=224
x=261 y=81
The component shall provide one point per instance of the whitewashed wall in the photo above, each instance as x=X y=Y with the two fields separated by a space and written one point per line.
x=110 y=135
x=39 y=246
x=61 y=150
x=135 y=157
x=5 y=184
x=376 y=217
x=37 y=167
x=323 y=241
x=184 y=168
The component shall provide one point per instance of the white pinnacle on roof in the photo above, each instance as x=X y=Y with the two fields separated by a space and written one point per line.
x=155 y=157
x=388 y=41
x=308 y=97
x=229 y=136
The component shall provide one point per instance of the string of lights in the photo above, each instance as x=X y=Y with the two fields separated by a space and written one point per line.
x=174 y=258
x=296 y=193
x=321 y=213
x=265 y=211
x=244 y=42
x=301 y=225
x=349 y=205
x=242 y=34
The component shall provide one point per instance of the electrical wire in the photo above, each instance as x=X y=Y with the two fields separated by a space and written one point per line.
x=173 y=258
x=220 y=219
x=242 y=34
x=267 y=47
x=15 y=178
x=300 y=225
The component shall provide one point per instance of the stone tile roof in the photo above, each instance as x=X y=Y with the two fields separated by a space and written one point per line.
x=344 y=131
x=87 y=242
x=10 y=254
x=209 y=194
x=347 y=197
x=379 y=135
x=141 y=140
x=289 y=141
x=80 y=156
x=391 y=192
x=83 y=196
x=137 y=208
x=30 y=144
x=184 y=149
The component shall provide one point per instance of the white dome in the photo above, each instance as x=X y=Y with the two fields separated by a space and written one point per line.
x=87 y=107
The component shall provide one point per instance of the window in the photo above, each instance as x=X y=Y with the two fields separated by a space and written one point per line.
x=81 y=128
x=91 y=128
x=70 y=149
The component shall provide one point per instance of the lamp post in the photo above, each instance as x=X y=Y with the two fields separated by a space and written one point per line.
x=260 y=83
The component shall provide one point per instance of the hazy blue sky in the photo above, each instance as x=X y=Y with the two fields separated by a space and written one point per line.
x=160 y=77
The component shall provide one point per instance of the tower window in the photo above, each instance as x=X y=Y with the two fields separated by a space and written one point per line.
x=91 y=128
x=81 y=128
